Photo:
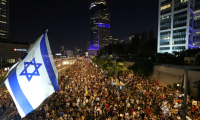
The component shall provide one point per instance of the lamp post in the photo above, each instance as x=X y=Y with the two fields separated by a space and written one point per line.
x=61 y=64
x=177 y=78
x=62 y=53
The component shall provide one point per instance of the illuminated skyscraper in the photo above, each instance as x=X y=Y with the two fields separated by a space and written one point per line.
x=4 y=19
x=179 y=25
x=99 y=27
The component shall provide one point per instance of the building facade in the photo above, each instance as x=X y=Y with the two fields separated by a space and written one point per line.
x=113 y=40
x=11 y=53
x=179 y=25
x=4 y=20
x=69 y=53
x=78 y=51
x=99 y=27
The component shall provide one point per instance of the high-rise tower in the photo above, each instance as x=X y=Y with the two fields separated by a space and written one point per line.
x=179 y=25
x=4 y=19
x=99 y=27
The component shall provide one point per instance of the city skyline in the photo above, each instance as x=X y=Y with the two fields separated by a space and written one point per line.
x=68 y=22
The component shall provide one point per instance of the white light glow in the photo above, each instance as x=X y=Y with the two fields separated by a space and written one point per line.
x=58 y=54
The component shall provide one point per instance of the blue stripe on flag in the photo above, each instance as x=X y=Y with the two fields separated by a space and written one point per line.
x=18 y=93
x=163 y=106
x=24 y=56
x=47 y=62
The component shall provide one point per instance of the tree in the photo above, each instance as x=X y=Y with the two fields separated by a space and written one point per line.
x=105 y=64
x=111 y=70
x=197 y=86
x=111 y=49
x=121 y=68
x=143 y=68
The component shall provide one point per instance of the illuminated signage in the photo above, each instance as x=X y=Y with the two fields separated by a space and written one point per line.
x=104 y=25
x=15 y=49
x=58 y=53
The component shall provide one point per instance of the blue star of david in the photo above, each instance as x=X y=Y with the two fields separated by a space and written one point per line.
x=35 y=72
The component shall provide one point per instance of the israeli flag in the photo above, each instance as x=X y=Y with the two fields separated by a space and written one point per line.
x=170 y=112
x=97 y=99
x=33 y=78
x=101 y=105
x=166 y=111
x=95 y=109
x=127 y=99
x=164 y=102
x=177 y=105
x=92 y=103
x=176 y=94
x=164 y=107
x=78 y=102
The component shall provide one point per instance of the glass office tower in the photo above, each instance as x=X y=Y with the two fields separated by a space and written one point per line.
x=99 y=27
x=178 y=25
x=4 y=19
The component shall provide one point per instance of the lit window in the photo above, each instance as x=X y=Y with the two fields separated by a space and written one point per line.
x=3 y=15
x=165 y=7
x=2 y=34
x=183 y=1
x=2 y=22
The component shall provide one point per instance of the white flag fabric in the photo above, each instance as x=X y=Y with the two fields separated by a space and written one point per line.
x=164 y=107
x=33 y=78
x=78 y=102
x=127 y=99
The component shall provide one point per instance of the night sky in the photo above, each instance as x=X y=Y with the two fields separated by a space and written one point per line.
x=68 y=20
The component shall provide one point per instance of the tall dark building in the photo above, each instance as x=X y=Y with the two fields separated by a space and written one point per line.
x=144 y=36
x=153 y=34
x=4 y=19
x=99 y=27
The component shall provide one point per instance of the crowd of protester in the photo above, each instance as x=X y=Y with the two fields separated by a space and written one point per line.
x=88 y=94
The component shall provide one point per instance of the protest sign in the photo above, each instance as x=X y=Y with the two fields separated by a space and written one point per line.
x=194 y=102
